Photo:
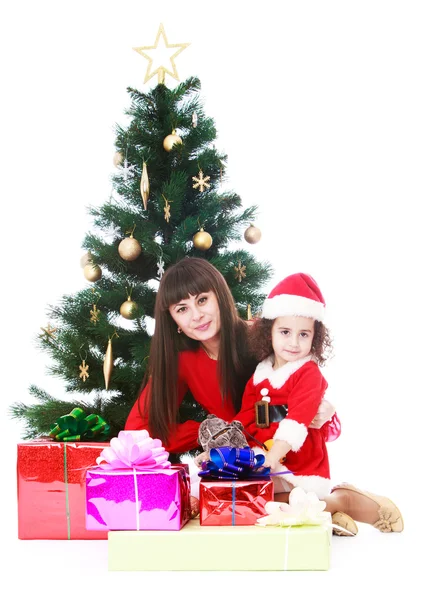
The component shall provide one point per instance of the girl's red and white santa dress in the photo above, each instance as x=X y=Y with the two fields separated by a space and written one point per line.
x=300 y=386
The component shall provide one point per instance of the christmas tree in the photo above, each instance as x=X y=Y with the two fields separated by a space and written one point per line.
x=167 y=203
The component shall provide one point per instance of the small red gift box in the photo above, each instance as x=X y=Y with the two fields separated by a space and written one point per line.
x=51 y=489
x=238 y=502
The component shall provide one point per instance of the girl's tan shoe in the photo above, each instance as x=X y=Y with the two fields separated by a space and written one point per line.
x=390 y=518
x=346 y=522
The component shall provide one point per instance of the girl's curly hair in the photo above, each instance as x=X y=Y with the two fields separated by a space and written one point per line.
x=261 y=340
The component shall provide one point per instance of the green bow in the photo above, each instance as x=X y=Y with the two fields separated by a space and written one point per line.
x=78 y=426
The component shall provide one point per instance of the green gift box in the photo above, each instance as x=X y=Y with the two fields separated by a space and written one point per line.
x=225 y=548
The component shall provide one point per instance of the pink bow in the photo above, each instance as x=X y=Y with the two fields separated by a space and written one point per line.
x=136 y=450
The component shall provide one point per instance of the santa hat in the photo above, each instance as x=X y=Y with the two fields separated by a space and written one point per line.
x=297 y=295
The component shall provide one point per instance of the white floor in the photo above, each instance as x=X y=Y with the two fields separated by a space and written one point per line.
x=369 y=564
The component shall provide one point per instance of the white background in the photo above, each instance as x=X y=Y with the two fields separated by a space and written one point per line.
x=317 y=105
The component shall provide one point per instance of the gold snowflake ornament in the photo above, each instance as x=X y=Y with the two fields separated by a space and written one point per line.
x=201 y=182
x=48 y=331
x=95 y=312
x=84 y=371
x=167 y=208
x=240 y=271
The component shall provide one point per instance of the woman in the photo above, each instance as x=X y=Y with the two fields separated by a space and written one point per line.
x=200 y=344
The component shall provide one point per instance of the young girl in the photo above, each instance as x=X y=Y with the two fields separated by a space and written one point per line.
x=281 y=400
x=282 y=397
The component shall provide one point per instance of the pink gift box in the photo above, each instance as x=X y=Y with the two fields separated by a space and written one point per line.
x=136 y=499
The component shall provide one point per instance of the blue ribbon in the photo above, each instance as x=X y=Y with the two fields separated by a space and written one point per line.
x=233 y=505
x=234 y=463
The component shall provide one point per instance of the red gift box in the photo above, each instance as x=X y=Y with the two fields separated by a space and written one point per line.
x=51 y=489
x=238 y=502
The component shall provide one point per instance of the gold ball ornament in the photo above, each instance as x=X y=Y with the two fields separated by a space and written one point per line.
x=129 y=309
x=170 y=140
x=118 y=159
x=202 y=240
x=129 y=248
x=92 y=272
x=85 y=259
x=252 y=234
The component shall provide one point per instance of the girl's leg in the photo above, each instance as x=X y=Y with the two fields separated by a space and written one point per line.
x=347 y=500
x=365 y=507
x=360 y=508
x=282 y=497
x=344 y=501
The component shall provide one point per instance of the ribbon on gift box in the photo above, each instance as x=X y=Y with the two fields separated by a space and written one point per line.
x=303 y=508
x=134 y=450
x=77 y=426
x=227 y=462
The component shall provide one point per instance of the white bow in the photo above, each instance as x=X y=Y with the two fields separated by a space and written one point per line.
x=304 y=508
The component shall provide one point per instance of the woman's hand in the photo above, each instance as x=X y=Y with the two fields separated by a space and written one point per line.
x=324 y=414
x=200 y=458
x=194 y=507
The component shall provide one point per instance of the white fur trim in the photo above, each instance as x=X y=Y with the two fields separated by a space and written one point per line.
x=287 y=305
x=292 y=432
x=264 y=392
x=310 y=483
x=277 y=377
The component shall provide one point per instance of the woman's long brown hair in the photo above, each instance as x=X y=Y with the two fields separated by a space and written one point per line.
x=193 y=276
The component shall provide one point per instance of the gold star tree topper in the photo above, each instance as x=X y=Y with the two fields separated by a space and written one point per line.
x=161 y=56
